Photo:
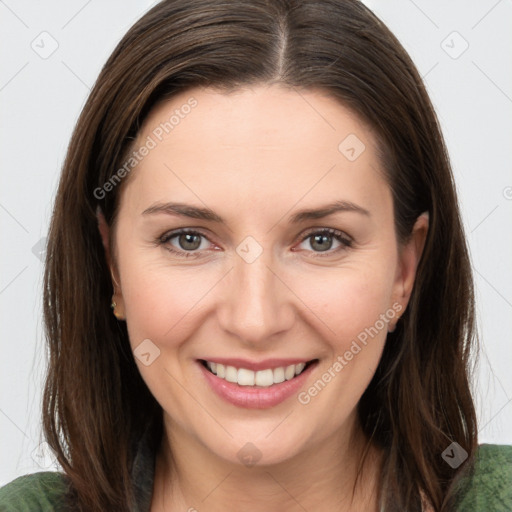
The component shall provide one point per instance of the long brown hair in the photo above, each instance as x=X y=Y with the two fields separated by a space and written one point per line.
x=95 y=403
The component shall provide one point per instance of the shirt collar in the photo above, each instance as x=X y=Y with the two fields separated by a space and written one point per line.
x=143 y=469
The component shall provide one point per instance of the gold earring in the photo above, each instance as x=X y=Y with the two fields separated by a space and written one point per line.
x=113 y=305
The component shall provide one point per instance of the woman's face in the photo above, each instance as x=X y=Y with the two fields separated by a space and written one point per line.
x=259 y=284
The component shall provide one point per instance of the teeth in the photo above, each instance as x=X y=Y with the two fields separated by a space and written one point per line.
x=262 y=378
x=221 y=370
x=278 y=375
x=231 y=374
x=289 y=373
x=245 y=377
x=299 y=367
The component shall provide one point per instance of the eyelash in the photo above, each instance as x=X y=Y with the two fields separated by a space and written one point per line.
x=346 y=242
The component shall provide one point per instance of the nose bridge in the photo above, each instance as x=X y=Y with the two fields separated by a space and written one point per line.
x=256 y=298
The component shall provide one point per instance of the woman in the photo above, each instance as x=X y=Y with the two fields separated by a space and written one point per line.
x=261 y=193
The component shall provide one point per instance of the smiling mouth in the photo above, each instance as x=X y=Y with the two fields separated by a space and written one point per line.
x=261 y=378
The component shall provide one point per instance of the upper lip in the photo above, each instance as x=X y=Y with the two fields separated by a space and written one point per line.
x=256 y=365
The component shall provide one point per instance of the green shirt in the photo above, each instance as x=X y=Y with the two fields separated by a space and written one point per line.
x=490 y=489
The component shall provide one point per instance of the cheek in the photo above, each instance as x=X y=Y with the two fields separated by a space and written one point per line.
x=160 y=298
x=348 y=301
x=352 y=313
x=159 y=303
x=162 y=305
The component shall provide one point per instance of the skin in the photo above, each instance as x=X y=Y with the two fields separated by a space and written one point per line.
x=256 y=156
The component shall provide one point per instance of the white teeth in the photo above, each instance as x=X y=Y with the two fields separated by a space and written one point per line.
x=245 y=377
x=262 y=378
x=299 y=367
x=278 y=375
x=289 y=373
x=231 y=374
x=221 y=370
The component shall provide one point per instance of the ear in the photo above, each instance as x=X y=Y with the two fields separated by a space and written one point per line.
x=117 y=298
x=104 y=230
x=409 y=258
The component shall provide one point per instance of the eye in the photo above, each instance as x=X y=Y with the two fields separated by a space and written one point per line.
x=321 y=240
x=188 y=243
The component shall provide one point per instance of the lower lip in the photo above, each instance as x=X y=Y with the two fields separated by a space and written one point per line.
x=252 y=397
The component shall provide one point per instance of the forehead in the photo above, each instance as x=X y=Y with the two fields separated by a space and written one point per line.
x=270 y=117
x=256 y=141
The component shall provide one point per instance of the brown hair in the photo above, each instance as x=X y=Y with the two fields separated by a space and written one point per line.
x=95 y=403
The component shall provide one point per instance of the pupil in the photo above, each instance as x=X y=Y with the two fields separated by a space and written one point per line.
x=187 y=239
x=322 y=239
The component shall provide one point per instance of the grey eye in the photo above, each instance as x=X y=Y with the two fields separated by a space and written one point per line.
x=321 y=242
x=189 y=241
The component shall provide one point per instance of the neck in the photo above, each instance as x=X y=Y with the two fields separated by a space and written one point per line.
x=188 y=476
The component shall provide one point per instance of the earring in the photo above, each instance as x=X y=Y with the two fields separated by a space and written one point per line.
x=113 y=305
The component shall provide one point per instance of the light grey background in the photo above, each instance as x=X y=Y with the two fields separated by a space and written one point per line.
x=41 y=96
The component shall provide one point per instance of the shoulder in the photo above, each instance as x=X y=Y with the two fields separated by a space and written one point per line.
x=36 y=492
x=489 y=486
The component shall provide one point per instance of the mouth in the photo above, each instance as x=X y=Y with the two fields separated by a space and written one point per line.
x=263 y=378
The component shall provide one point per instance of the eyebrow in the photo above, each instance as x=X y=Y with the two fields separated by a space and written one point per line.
x=194 y=212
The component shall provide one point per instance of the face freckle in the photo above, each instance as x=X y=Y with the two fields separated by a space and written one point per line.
x=269 y=278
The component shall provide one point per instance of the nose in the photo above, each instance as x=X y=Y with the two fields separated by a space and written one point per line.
x=258 y=304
